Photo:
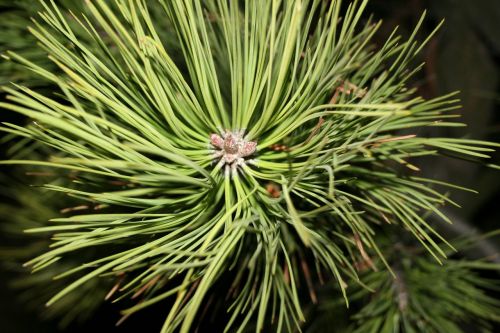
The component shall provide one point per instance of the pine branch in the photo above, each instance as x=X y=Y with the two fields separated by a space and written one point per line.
x=175 y=139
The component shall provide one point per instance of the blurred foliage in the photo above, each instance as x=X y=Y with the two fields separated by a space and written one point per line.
x=16 y=17
x=20 y=210
x=465 y=57
x=420 y=297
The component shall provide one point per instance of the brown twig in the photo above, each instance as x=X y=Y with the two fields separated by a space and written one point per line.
x=307 y=276
x=110 y=294
x=146 y=286
x=72 y=209
x=363 y=253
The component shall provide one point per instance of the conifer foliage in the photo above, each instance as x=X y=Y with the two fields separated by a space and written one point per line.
x=264 y=143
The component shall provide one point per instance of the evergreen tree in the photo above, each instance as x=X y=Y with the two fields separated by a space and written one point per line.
x=238 y=161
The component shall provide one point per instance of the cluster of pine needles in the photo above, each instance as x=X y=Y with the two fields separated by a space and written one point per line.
x=315 y=131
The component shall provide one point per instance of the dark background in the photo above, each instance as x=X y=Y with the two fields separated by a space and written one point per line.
x=465 y=56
